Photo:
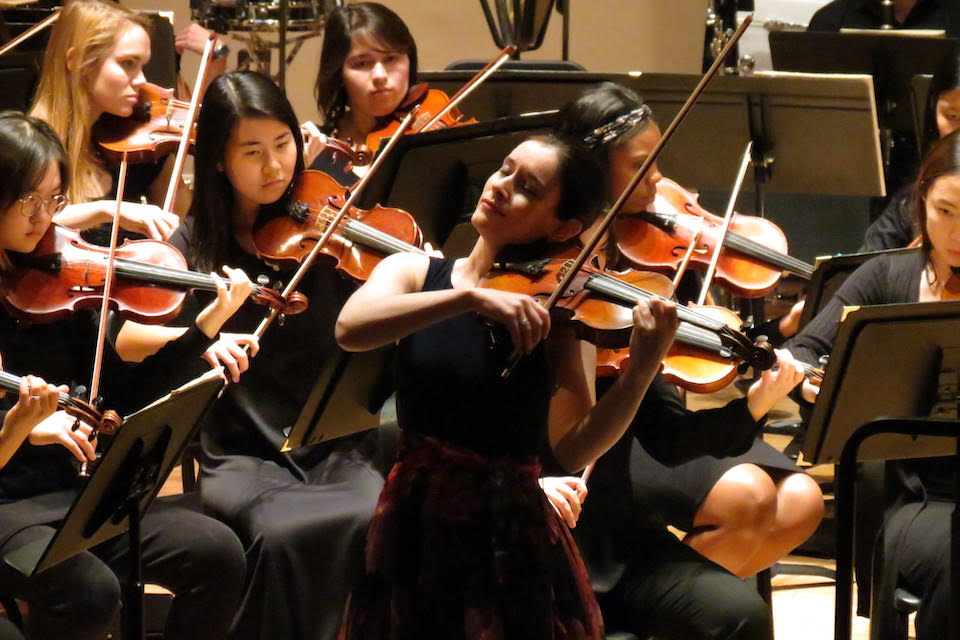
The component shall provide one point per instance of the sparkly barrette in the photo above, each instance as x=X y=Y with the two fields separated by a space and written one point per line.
x=621 y=125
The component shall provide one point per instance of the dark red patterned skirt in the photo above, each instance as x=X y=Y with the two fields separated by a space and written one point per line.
x=465 y=546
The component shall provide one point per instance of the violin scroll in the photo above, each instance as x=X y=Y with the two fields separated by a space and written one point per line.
x=293 y=304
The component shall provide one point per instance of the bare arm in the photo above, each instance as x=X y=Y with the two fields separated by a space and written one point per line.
x=581 y=431
x=391 y=306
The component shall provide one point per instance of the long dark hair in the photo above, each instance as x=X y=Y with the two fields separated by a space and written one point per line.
x=599 y=107
x=27 y=147
x=371 y=18
x=582 y=178
x=942 y=159
x=946 y=78
x=231 y=97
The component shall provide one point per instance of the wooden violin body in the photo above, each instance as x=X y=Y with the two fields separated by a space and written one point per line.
x=65 y=273
x=600 y=306
x=431 y=102
x=697 y=361
x=152 y=132
x=364 y=238
x=754 y=252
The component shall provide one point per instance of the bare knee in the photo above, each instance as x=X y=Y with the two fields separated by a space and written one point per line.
x=800 y=505
x=745 y=497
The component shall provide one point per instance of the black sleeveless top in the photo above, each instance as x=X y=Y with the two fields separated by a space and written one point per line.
x=449 y=385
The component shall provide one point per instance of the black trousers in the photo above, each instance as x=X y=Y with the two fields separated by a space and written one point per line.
x=303 y=539
x=672 y=592
x=196 y=557
x=923 y=565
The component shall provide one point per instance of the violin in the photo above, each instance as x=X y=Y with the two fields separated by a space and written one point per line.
x=364 y=238
x=154 y=130
x=65 y=273
x=151 y=132
x=106 y=421
x=431 y=103
x=599 y=305
x=755 y=250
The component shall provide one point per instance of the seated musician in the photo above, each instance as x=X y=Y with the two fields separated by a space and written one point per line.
x=743 y=504
x=916 y=550
x=199 y=559
x=301 y=515
x=895 y=227
x=367 y=65
x=93 y=66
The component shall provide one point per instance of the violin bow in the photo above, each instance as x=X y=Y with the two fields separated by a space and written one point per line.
x=473 y=83
x=727 y=217
x=188 y=128
x=335 y=222
x=32 y=31
x=105 y=305
x=591 y=244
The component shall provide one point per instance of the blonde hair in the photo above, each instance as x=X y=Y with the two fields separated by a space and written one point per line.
x=80 y=41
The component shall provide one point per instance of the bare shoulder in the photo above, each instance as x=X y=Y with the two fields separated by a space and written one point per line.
x=407 y=270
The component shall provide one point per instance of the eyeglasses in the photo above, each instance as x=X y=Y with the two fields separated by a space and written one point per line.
x=32 y=205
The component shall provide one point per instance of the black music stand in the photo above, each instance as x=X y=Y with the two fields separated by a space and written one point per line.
x=346 y=398
x=126 y=480
x=893 y=59
x=897 y=356
x=830 y=273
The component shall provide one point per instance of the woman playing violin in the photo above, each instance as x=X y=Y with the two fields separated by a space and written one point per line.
x=302 y=514
x=93 y=66
x=895 y=227
x=689 y=469
x=916 y=534
x=463 y=543
x=367 y=65
x=197 y=558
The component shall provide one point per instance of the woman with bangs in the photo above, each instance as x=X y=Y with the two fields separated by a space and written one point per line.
x=367 y=65
x=300 y=514
x=197 y=558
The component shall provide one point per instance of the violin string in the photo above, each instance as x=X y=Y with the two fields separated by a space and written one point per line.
x=11 y=382
x=781 y=260
x=630 y=293
x=362 y=231
x=739 y=242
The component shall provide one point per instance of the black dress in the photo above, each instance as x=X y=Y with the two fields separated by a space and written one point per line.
x=301 y=515
x=196 y=557
x=646 y=580
x=916 y=530
x=464 y=543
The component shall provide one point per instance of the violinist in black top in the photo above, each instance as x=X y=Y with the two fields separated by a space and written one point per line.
x=916 y=540
x=742 y=503
x=196 y=557
x=895 y=227
x=300 y=515
x=463 y=543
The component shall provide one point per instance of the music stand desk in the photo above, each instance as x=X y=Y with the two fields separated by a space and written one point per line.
x=819 y=131
x=886 y=362
x=892 y=59
x=125 y=482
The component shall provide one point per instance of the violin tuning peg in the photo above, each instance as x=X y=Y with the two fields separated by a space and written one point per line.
x=281 y=319
x=263 y=279
x=80 y=391
x=823 y=360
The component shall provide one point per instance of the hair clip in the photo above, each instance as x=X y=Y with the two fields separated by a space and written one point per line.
x=621 y=125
